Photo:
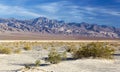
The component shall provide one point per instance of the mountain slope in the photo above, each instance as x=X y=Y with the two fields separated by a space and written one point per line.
x=45 y=25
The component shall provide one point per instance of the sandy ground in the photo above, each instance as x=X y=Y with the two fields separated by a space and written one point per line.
x=14 y=62
x=46 y=36
x=60 y=41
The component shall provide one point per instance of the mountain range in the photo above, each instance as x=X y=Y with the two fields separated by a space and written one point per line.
x=45 y=25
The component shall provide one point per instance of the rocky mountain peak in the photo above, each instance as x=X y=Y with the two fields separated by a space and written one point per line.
x=43 y=24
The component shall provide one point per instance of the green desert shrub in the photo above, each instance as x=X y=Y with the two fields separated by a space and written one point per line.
x=95 y=50
x=54 y=57
x=17 y=51
x=37 y=63
x=64 y=55
x=27 y=48
x=45 y=47
x=5 y=50
x=71 y=48
x=27 y=66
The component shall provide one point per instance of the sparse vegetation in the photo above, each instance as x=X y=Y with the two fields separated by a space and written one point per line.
x=17 y=51
x=5 y=50
x=27 y=66
x=37 y=63
x=64 y=55
x=95 y=50
x=54 y=57
x=27 y=48
x=58 y=51
x=70 y=48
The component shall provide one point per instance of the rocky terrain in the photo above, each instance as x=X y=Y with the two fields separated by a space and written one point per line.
x=45 y=25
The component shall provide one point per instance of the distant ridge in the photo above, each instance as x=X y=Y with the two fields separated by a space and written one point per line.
x=45 y=25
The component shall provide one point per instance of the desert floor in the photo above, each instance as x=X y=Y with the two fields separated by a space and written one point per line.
x=46 y=36
x=15 y=62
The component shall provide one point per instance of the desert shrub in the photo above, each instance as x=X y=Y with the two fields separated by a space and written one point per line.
x=51 y=44
x=5 y=50
x=95 y=50
x=27 y=66
x=27 y=48
x=17 y=51
x=54 y=57
x=70 y=48
x=64 y=55
x=45 y=48
x=37 y=63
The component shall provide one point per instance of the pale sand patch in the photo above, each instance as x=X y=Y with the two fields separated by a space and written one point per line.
x=13 y=62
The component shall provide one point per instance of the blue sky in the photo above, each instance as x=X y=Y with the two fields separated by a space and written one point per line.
x=103 y=12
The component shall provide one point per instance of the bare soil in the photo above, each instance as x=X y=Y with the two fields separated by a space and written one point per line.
x=45 y=36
